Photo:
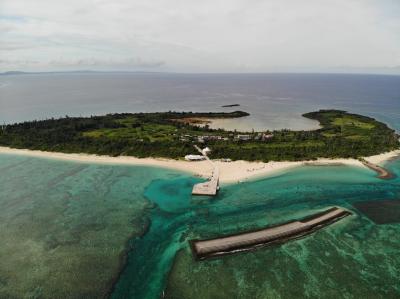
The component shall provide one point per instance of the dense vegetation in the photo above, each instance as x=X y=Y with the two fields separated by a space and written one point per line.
x=164 y=135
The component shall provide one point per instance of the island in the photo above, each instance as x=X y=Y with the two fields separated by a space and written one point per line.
x=230 y=105
x=170 y=135
x=142 y=139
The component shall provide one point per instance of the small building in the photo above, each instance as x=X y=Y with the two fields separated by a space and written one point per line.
x=226 y=160
x=265 y=136
x=243 y=137
x=206 y=151
x=194 y=158
x=209 y=138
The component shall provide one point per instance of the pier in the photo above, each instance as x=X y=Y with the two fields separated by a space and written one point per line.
x=203 y=249
x=210 y=187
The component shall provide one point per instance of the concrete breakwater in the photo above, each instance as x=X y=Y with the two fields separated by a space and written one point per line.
x=203 y=249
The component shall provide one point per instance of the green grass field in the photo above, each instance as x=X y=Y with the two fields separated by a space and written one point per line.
x=350 y=121
x=148 y=132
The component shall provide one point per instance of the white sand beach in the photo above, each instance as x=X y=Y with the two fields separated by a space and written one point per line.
x=382 y=158
x=230 y=172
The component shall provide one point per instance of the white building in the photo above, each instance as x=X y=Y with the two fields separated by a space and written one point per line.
x=206 y=151
x=243 y=137
x=226 y=160
x=265 y=136
x=194 y=158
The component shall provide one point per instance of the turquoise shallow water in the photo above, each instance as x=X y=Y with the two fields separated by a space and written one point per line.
x=369 y=250
x=65 y=221
x=64 y=225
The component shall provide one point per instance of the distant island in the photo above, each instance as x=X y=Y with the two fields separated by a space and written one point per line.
x=17 y=73
x=12 y=73
x=168 y=135
x=231 y=105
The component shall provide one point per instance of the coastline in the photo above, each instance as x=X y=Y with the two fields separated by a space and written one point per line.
x=230 y=172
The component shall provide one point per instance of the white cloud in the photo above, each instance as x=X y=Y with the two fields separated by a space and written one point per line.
x=207 y=35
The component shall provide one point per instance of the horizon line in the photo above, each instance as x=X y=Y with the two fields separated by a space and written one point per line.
x=10 y=73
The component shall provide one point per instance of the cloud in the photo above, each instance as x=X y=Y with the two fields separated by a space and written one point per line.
x=207 y=35
x=16 y=45
x=18 y=62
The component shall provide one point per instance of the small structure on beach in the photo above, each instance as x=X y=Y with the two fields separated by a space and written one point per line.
x=205 y=151
x=194 y=158
x=226 y=160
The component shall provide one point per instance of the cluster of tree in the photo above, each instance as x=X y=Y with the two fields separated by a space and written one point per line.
x=67 y=135
x=327 y=147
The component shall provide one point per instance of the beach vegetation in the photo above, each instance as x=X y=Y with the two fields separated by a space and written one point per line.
x=172 y=135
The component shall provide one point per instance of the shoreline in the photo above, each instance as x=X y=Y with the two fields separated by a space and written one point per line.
x=230 y=172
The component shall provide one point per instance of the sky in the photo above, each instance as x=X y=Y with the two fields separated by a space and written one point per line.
x=201 y=35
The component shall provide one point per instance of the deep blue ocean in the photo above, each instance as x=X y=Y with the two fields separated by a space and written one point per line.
x=275 y=101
